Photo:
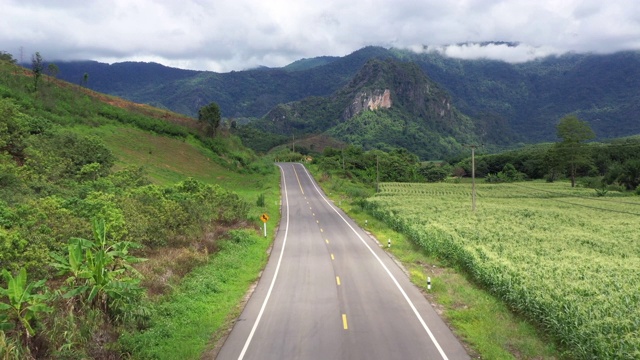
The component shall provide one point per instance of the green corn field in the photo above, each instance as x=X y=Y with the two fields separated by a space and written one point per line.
x=568 y=260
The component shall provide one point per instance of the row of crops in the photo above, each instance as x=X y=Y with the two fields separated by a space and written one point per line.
x=561 y=256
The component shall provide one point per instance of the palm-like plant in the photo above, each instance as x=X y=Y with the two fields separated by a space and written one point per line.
x=23 y=304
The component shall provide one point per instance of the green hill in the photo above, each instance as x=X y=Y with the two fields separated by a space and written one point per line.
x=89 y=185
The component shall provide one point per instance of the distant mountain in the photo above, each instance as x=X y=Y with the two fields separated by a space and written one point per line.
x=508 y=102
x=533 y=96
x=388 y=103
x=250 y=93
x=305 y=64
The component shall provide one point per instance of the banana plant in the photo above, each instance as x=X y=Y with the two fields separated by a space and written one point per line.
x=98 y=270
x=24 y=304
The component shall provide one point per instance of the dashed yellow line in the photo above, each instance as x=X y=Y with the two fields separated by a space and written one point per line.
x=344 y=322
x=299 y=183
x=317 y=221
x=326 y=240
x=321 y=230
x=338 y=280
x=332 y=258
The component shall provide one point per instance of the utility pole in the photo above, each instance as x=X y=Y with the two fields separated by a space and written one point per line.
x=473 y=176
x=377 y=173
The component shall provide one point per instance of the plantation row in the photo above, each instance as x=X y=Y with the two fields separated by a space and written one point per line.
x=569 y=267
x=530 y=190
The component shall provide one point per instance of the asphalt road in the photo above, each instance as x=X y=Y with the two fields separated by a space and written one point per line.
x=329 y=291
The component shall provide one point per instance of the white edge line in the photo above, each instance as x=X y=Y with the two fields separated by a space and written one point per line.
x=275 y=275
x=395 y=281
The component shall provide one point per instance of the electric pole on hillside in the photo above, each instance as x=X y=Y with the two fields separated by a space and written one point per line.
x=377 y=173
x=473 y=175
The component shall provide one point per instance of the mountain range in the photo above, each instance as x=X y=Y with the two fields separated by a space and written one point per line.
x=488 y=101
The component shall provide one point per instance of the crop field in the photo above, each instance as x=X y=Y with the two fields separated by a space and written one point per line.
x=563 y=257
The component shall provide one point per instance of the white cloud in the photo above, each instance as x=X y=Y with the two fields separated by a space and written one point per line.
x=225 y=35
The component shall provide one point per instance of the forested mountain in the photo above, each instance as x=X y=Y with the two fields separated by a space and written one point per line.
x=528 y=98
x=533 y=96
x=388 y=103
x=250 y=93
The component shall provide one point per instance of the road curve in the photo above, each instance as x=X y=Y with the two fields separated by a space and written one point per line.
x=330 y=292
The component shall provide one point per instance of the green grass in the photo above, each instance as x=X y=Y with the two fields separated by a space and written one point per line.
x=482 y=321
x=166 y=160
x=170 y=160
x=184 y=322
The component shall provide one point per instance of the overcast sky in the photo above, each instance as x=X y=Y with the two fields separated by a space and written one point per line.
x=225 y=35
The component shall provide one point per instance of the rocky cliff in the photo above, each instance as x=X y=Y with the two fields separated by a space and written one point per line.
x=368 y=100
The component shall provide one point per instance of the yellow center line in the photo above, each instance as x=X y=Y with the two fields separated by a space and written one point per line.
x=317 y=221
x=332 y=257
x=344 y=321
x=321 y=230
x=314 y=214
x=326 y=240
x=299 y=183
x=338 y=280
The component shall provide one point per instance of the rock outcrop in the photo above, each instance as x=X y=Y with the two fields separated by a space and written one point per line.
x=368 y=100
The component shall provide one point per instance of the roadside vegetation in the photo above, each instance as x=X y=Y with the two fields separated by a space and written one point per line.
x=110 y=215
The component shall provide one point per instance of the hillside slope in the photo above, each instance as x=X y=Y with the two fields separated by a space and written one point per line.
x=106 y=209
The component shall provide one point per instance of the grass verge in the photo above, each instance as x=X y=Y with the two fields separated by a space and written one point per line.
x=183 y=322
x=486 y=326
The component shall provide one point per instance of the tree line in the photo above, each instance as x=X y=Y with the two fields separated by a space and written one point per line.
x=614 y=164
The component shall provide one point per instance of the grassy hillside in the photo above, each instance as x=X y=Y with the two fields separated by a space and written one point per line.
x=108 y=211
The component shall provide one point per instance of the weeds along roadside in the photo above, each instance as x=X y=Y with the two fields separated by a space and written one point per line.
x=199 y=310
x=482 y=322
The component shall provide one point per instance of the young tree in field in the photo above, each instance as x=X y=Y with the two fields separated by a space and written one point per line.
x=37 y=66
x=85 y=79
x=210 y=116
x=571 y=150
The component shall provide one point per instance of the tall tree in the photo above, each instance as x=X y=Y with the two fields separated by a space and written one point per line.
x=210 y=116
x=37 y=66
x=571 y=150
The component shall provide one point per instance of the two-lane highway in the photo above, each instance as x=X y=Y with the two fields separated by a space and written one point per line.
x=330 y=292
